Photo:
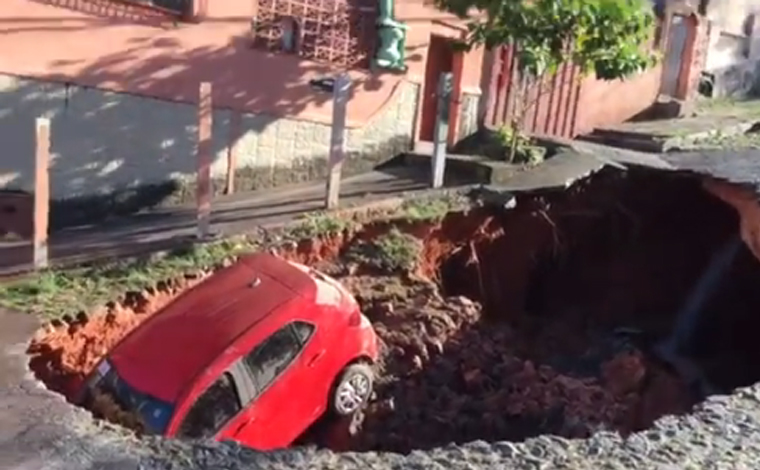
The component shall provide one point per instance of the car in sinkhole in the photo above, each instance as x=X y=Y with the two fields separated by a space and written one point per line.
x=256 y=354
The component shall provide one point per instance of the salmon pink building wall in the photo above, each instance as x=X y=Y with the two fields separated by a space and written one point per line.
x=604 y=103
x=120 y=83
x=426 y=22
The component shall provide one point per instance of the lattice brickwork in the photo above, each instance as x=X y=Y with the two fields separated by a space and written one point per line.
x=340 y=32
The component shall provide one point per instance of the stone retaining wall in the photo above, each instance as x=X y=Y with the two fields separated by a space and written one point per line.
x=105 y=142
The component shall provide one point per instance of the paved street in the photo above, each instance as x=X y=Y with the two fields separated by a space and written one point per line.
x=237 y=213
x=245 y=212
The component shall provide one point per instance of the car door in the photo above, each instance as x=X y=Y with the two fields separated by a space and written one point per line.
x=218 y=405
x=280 y=412
x=314 y=362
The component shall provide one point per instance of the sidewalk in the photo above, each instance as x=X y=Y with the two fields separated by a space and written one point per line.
x=234 y=214
x=240 y=213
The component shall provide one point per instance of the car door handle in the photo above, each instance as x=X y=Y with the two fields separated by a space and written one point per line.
x=315 y=358
x=244 y=424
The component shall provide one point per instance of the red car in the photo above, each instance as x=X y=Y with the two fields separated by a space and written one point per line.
x=256 y=354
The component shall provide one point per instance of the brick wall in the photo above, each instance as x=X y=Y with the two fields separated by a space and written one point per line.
x=103 y=142
x=612 y=102
x=698 y=58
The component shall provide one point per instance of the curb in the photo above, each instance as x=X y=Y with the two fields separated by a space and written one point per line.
x=159 y=249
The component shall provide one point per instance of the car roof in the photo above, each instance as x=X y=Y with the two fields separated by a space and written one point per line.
x=166 y=352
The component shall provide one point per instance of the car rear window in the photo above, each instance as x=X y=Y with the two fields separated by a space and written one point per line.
x=152 y=415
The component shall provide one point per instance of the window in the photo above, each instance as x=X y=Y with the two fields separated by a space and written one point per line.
x=216 y=405
x=289 y=28
x=303 y=331
x=270 y=358
x=177 y=6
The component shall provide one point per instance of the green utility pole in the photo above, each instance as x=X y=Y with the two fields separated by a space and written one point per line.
x=391 y=51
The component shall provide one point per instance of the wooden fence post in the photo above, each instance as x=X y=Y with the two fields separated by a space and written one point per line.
x=203 y=180
x=340 y=92
x=232 y=151
x=41 y=217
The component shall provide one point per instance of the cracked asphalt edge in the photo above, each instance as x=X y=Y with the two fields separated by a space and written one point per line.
x=41 y=431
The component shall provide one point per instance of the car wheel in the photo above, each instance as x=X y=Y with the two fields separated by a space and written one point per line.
x=353 y=389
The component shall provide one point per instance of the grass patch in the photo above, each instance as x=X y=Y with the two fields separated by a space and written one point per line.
x=55 y=293
x=432 y=209
x=320 y=225
x=394 y=251
x=723 y=141
x=745 y=108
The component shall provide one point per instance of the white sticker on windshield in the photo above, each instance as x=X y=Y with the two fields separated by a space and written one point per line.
x=104 y=367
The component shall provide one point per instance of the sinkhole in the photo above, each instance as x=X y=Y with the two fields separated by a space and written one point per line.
x=603 y=306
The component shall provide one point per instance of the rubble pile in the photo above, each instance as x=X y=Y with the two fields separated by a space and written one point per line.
x=450 y=376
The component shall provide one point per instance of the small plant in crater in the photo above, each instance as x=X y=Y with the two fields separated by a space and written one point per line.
x=394 y=251
x=320 y=225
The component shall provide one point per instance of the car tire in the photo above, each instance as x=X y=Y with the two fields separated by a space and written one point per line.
x=352 y=389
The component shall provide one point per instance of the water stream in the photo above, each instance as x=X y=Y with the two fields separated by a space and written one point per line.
x=688 y=318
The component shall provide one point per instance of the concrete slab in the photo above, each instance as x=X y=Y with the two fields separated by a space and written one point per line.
x=661 y=135
x=556 y=173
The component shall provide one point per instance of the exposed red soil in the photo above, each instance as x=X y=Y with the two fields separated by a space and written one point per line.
x=508 y=326
x=744 y=201
x=63 y=354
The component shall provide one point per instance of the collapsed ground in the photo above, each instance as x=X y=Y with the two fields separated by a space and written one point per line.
x=501 y=324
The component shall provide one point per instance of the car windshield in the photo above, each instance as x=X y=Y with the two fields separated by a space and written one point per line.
x=150 y=413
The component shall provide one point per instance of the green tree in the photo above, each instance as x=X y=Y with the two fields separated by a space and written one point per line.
x=609 y=38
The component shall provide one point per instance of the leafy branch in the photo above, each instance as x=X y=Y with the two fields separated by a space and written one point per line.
x=607 y=38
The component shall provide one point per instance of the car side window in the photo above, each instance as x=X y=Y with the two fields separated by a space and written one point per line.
x=303 y=331
x=270 y=358
x=214 y=407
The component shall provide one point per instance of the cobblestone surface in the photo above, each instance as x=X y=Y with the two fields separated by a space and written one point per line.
x=724 y=433
x=40 y=431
